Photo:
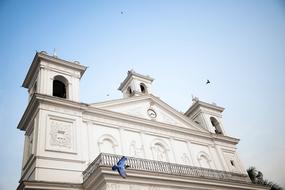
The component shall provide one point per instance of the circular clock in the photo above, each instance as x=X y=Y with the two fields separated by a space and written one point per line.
x=151 y=113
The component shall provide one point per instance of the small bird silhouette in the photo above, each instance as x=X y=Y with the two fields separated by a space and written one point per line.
x=121 y=167
x=208 y=82
x=122 y=12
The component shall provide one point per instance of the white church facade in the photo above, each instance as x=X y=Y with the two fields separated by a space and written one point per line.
x=73 y=145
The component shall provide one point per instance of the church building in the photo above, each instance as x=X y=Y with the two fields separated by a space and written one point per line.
x=70 y=145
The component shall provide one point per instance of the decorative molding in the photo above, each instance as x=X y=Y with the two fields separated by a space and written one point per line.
x=203 y=156
x=60 y=134
x=185 y=159
x=159 y=150
x=136 y=151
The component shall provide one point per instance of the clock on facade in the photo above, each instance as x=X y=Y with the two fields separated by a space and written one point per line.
x=151 y=113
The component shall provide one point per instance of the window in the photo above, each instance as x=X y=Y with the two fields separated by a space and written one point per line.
x=60 y=87
x=129 y=91
x=216 y=125
x=143 y=88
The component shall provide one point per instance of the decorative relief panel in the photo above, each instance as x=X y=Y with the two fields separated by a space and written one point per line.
x=60 y=135
x=159 y=152
x=185 y=159
x=136 y=151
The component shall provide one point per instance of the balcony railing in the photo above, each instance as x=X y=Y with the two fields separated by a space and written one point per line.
x=163 y=167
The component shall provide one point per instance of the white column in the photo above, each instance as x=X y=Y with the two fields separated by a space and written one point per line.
x=142 y=135
x=211 y=156
x=192 y=159
x=222 y=159
x=173 y=149
x=121 y=131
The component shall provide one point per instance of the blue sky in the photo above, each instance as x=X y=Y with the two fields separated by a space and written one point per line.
x=238 y=45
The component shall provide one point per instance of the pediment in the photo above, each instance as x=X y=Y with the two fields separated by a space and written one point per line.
x=151 y=108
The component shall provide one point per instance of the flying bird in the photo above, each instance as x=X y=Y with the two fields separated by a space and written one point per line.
x=208 y=82
x=122 y=12
x=121 y=167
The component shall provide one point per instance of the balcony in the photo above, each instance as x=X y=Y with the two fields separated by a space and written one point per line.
x=138 y=164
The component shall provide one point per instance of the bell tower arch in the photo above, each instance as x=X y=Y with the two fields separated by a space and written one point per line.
x=208 y=116
x=136 y=84
x=52 y=76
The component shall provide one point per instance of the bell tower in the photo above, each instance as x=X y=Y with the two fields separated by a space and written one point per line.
x=208 y=116
x=52 y=76
x=136 y=84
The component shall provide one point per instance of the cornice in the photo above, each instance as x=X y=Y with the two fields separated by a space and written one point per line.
x=205 y=105
x=171 y=128
x=41 y=98
x=28 y=113
x=99 y=112
x=151 y=98
x=29 y=184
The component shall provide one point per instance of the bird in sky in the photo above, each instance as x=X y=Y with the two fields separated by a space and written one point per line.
x=121 y=167
x=122 y=12
x=208 y=82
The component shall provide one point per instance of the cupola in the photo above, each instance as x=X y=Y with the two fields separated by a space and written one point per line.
x=208 y=116
x=136 y=84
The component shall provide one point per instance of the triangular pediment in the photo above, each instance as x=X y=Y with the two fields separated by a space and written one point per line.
x=151 y=108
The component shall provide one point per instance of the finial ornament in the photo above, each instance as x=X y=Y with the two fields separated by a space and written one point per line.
x=195 y=99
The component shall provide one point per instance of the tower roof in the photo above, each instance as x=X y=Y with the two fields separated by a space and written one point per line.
x=40 y=56
x=132 y=74
x=197 y=103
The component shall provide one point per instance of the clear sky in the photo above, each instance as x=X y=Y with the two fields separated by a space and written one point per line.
x=238 y=45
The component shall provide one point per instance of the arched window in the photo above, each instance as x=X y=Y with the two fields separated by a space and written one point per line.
x=216 y=125
x=129 y=91
x=143 y=88
x=60 y=85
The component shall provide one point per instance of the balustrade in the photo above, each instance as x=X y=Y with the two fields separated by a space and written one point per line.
x=109 y=160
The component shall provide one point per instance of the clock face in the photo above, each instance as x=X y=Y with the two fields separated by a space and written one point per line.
x=151 y=113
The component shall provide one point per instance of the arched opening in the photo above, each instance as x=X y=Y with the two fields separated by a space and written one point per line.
x=143 y=88
x=60 y=87
x=129 y=91
x=216 y=125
